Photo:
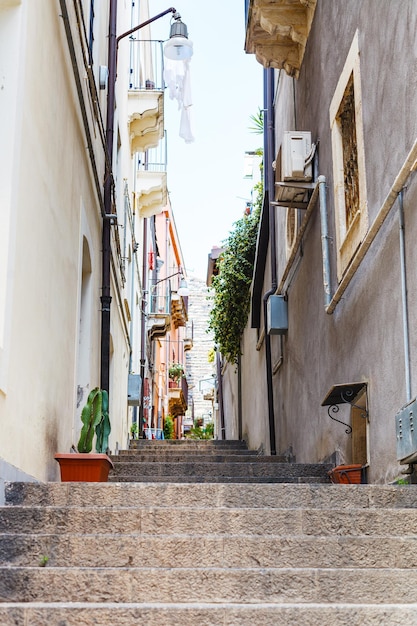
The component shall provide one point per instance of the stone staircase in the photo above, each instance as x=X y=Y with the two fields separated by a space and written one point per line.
x=206 y=553
x=208 y=461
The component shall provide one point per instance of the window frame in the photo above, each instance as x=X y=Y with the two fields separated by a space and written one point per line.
x=348 y=239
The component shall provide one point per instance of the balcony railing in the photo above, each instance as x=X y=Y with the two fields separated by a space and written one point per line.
x=160 y=303
x=154 y=159
x=146 y=65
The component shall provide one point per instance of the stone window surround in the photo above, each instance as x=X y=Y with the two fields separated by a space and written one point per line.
x=348 y=239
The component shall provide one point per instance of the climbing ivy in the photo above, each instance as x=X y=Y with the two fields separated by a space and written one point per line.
x=230 y=289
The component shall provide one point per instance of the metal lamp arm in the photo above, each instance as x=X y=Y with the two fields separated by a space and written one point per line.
x=152 y=19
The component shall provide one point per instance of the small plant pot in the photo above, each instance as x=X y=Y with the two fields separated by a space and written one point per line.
x=80 y=467
x=346 y=474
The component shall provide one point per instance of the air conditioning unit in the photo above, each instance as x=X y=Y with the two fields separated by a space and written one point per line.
x=296 y=148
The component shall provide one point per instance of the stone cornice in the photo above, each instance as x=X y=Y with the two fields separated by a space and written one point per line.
x=277 y=32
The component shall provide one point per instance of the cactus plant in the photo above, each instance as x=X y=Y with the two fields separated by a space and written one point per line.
x=95 y=419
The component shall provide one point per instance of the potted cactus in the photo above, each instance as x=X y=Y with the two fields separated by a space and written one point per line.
x=83 y=465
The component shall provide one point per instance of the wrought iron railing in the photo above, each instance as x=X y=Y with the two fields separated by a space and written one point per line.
x=146 y=64
x=154 y=159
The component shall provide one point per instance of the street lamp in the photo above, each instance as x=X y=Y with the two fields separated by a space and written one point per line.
x=183 y=49
x=183 y=289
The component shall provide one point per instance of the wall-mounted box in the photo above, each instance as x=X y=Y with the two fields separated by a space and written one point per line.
x=296 y=147
x=277 y=315
x=406 y=432
x=134 y=387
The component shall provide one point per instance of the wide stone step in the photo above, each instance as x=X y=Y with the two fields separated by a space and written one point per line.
x=217 y=520
x=173 y=456
x=207 y=551
x=290 y=496
x=240 y=585
x=219 y=479
x=188 y=444
x=207 y=614
x=257 y=468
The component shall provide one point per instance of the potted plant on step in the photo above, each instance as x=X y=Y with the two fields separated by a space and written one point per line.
x=83 y=465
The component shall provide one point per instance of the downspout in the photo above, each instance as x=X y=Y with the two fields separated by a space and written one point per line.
x=239 y=398
x=220 y=396
x=321 y=181
x=106 y=242
x=143 y=320
x=269 y=155
x=404 y=298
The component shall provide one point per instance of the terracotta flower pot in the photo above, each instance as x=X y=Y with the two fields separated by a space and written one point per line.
x=346 y=474
x=84 y=467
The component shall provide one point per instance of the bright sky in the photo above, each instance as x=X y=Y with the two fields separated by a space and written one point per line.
x=205 y=178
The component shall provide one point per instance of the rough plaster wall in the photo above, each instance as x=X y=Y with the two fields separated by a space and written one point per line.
x=363 y=339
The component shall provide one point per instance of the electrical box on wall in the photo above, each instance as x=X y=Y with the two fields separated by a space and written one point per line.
x=406 y=432
x=134 y=386
x=296 y=148
x=277 y=315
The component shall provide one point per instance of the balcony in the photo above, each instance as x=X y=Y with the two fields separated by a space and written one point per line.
x=145 y=95
x=152 y=192
x=178 y=397
x=179 y=310
x=277 y=32
x=159 y=315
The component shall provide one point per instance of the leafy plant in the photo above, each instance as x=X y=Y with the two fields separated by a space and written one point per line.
x=230 y=290
x=198 y=432
x=257 y=121
x=43 y=561
x=169 y=427
x=95 y=419
x=134 y=430
x=176 y=371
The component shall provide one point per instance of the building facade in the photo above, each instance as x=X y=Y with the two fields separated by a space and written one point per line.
x=82 y=177
x=332 y=331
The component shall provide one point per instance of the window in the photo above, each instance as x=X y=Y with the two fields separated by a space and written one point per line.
x=351 y=212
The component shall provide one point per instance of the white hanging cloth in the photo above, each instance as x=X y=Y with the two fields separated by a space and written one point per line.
x=178 y=81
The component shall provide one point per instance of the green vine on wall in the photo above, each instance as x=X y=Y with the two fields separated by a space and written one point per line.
x=230 y=293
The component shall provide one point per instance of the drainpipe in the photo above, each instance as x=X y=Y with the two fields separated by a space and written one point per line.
x=220 y=396
x=404 y=297
x=321 y=181
x=239 y=398
x=143 y=319
x=269 y=189
x=106 y=242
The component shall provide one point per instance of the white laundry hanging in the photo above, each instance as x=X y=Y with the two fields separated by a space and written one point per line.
x=177 y=79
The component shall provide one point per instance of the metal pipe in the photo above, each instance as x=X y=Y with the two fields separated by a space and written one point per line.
x=321 y=181
x=269 y=189
x=143 y=321
x=404 y=298
x=108 y=184
x=220 y=395
x=408 y=166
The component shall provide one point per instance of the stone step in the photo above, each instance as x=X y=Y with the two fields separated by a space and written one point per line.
x=166 y=495
x=233 y=585
x=217 y=479
x=190 y=456
x=203 y=520
x=203 y=613
x=229 y=551
x=188 y=444
x=256 y=469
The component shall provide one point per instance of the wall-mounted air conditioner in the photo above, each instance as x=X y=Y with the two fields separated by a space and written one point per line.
x=296 y=149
